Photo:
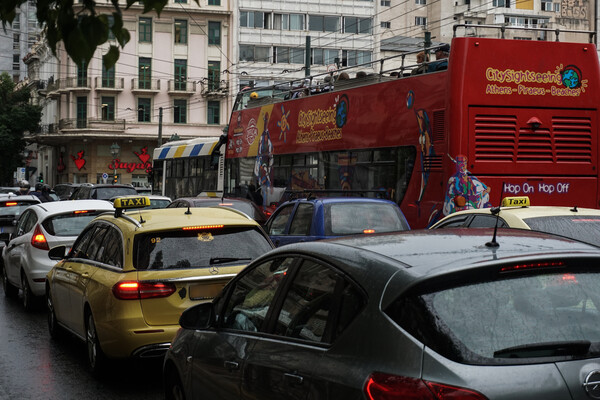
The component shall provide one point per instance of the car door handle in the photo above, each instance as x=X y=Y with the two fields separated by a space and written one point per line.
x=231 y=365
x=85 y=274
x=293 y=378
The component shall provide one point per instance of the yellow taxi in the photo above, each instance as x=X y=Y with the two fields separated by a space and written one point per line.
x=130 y=274
x=517 y=212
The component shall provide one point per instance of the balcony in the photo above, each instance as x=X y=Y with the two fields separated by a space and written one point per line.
x=149 y=86
x=181 y=87
x=215 y=89
x=117 y=125
x=53 y=88
x=75 y=84
x=115 y=85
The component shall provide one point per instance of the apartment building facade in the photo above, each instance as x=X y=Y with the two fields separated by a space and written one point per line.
x=168 y=83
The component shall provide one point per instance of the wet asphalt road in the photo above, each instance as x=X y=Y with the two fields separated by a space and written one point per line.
x=33 y=366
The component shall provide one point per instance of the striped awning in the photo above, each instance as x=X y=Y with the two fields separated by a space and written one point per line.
x=186 y=150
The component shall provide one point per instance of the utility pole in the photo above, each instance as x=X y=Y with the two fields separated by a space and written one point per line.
x=307 y=57
x=160 y=113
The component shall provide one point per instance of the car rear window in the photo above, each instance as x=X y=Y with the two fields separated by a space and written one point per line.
x=185 y=249
x=106 y=193
x=11 y=207
x=524 y=319
x=70 y=224
x=585 y=227
x=236 y=205
x=352 y=218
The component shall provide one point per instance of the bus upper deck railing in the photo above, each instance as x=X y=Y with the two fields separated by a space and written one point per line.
x=334 y=80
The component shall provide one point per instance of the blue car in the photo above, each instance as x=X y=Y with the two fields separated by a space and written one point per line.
x=304 y=220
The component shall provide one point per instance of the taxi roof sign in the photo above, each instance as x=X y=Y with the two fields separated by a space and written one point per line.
x=126 y=202
x=517 y=201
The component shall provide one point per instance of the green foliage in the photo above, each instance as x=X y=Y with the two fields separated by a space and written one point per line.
x=17 y=116
x=79 y=26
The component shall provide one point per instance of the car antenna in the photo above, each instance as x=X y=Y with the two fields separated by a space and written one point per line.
x=188 y=212
x=141 y=218
x=574 y=209
x=496 y=211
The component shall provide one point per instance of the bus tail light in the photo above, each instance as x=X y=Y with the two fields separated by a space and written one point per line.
x=380 y=386
x=38 y=240
x=135 y=290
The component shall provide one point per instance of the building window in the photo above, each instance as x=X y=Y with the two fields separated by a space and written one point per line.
x=181 y=29
x=180 y=1
x=108 y=76
x=145 y=30
x=214 y=2
x=288 y=55
x=180 y=111
x=288 y=22
x=16 y=41
x=81 y=112
x=421 y=21
x=16 y=24
x=16 y=62
x=144 y=105
x=501 y=3
x=324 y=56
x=214 y=74
x=214 y=33
x=254 y=53
x=323 y=23
x=180 y=74
x=82 y=74
x=214 y=111
x=386 y=24
x=357 y=25
x=111 y=23
x=386 y=3
x=254 y=19
x=145 y=73
x=355 y=57
x=423 y=2
x=108 y=108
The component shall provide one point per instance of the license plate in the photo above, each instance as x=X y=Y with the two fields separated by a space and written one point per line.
x=204 y=291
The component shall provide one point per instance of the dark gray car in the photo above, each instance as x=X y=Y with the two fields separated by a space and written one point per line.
x=402 y=315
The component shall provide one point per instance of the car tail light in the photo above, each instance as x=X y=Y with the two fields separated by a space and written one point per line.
x=382 y=386
x=38 y=240
x=368 y=230
x=530 y=266
x=135 y=290
x=81 y=212
x=10 y=203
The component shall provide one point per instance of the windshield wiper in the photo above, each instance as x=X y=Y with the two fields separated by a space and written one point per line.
x=223 y=260
x=546 y=349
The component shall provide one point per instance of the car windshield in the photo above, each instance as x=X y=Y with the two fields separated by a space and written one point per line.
x=353 y=218
x=70 y=224
x=198 y=249
x=501 y=321
x=105 y=193
x=585 y=227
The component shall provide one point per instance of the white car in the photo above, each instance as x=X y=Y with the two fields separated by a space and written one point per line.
x=40 y=228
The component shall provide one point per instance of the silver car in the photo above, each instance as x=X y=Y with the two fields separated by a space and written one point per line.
x=39 y=228
x=444 y=314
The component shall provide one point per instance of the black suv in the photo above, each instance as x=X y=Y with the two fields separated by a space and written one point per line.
x=102 y=191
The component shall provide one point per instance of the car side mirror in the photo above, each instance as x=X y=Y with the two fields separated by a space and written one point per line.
x=200 y=316
x=57 y=253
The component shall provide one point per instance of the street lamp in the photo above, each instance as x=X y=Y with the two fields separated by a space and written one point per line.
x=115 y=149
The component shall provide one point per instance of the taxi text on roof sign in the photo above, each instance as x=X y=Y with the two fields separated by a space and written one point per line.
x=132 y=202
x=521 y=201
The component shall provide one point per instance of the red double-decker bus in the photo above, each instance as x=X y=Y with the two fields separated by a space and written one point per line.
x=510 y=117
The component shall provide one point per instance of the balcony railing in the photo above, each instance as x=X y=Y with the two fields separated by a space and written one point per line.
x=75 y=83
x=109 y=85
x=181 y=87
x=145 y=86
x=215 y=89
x=92 y=123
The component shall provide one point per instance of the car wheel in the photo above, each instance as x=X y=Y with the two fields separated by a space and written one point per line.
x=10 y=290
x=53 y=327
x=96 y=358
x=29 y=299
x=173 y=387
